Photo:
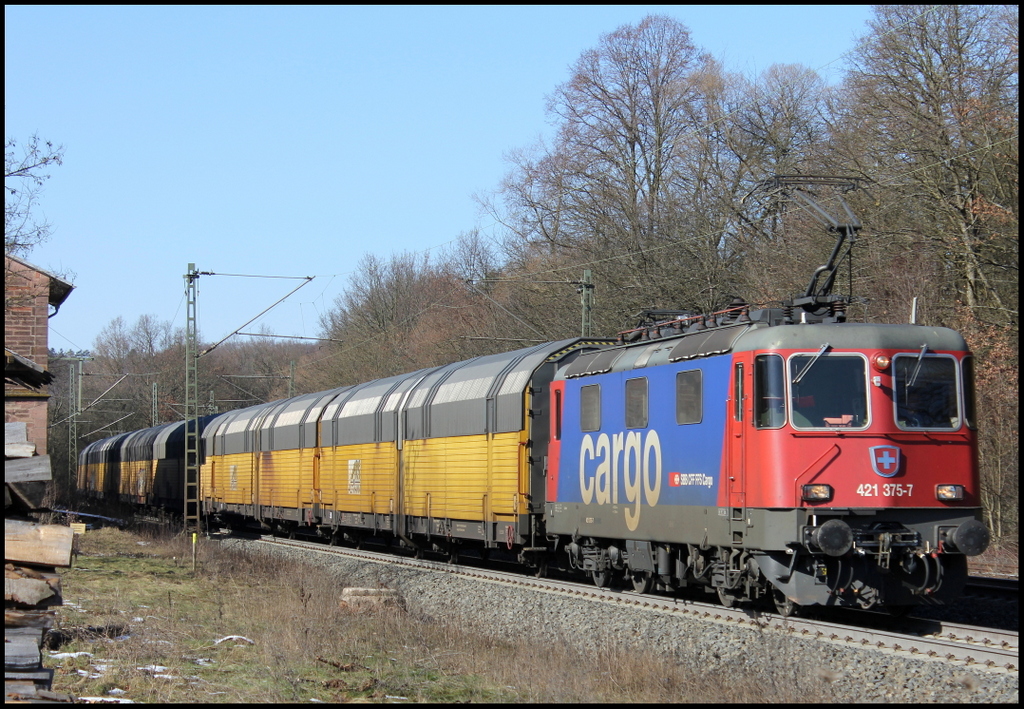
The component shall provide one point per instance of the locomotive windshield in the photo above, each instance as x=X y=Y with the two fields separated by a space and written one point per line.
x=925 y=391
x=831 y=393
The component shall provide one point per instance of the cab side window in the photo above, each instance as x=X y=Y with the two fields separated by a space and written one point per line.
x=769 y=391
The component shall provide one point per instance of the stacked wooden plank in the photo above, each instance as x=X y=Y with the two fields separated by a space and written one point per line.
x=32 y=554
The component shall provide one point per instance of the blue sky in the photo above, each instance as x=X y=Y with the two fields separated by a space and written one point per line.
x=290 y=141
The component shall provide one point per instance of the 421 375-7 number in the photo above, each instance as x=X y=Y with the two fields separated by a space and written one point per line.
x=885 y=489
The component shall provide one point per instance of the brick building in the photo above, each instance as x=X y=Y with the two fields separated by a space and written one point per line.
x=29 y=293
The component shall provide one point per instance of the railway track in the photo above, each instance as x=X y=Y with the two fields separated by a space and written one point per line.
x=990 y=586
x=956 y=644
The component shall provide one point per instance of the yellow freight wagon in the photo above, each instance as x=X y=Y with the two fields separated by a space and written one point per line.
x=263 y=461
x=92 y=462
x=227 y=473
x=168 y=487
x=359 y=478
x=107 y=475
x=440 y=458
x=465 y=477
x=228 y=479
x=139 y=463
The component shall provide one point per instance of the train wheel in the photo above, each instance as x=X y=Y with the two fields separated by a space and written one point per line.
x=603 y=578
x=642 y=581
x=783 y=604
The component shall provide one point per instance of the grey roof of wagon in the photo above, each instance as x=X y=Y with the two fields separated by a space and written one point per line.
x=138 y=446
x=456 y=403
x=451 y=400
x=105 y=450
x=474 y=396
x=87 y=454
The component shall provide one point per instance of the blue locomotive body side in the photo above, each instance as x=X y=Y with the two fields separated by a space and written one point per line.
x=663 y=463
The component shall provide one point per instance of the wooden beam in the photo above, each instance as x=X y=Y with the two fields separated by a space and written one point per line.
x=19 y=450
x=15 y=432
x=23 y=470
x=30 y=587
x=43 y=544
x=31 y=495
x=21 y=653
x=29 y=619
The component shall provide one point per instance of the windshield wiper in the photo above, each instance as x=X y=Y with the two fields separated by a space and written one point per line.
x=917 y=367
x=807 y=367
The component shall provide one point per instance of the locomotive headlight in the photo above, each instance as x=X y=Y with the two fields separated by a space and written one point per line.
x=881 y=362
x=949 y=492
x=816 y=493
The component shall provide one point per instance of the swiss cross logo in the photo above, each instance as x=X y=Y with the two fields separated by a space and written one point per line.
x=885 y=460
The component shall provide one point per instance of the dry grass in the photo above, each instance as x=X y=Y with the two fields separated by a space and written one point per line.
x=146 y=608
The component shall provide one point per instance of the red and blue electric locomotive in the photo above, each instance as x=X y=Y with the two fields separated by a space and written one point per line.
x=822 y=462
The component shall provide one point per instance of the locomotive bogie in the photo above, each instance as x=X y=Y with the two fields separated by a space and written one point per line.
x=805 y=452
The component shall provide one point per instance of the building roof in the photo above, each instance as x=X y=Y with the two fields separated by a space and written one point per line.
x=24 y=372
x=59 y=288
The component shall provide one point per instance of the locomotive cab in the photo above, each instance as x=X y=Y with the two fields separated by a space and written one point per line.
x=867 y=432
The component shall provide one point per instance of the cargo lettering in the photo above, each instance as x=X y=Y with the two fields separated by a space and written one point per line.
x=626 y=461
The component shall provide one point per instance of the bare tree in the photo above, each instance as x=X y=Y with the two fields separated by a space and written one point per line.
x=644 y=185
x=375 y=314
x=621 y=188
x=25 y=171
x=930 y=113
x=24 y=175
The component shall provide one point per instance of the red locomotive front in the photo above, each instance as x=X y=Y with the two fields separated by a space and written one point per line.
x=870 y=430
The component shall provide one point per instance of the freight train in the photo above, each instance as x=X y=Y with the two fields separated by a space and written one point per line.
x=782 y=454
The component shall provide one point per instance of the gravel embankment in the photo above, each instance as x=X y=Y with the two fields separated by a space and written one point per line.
x=719 y=649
